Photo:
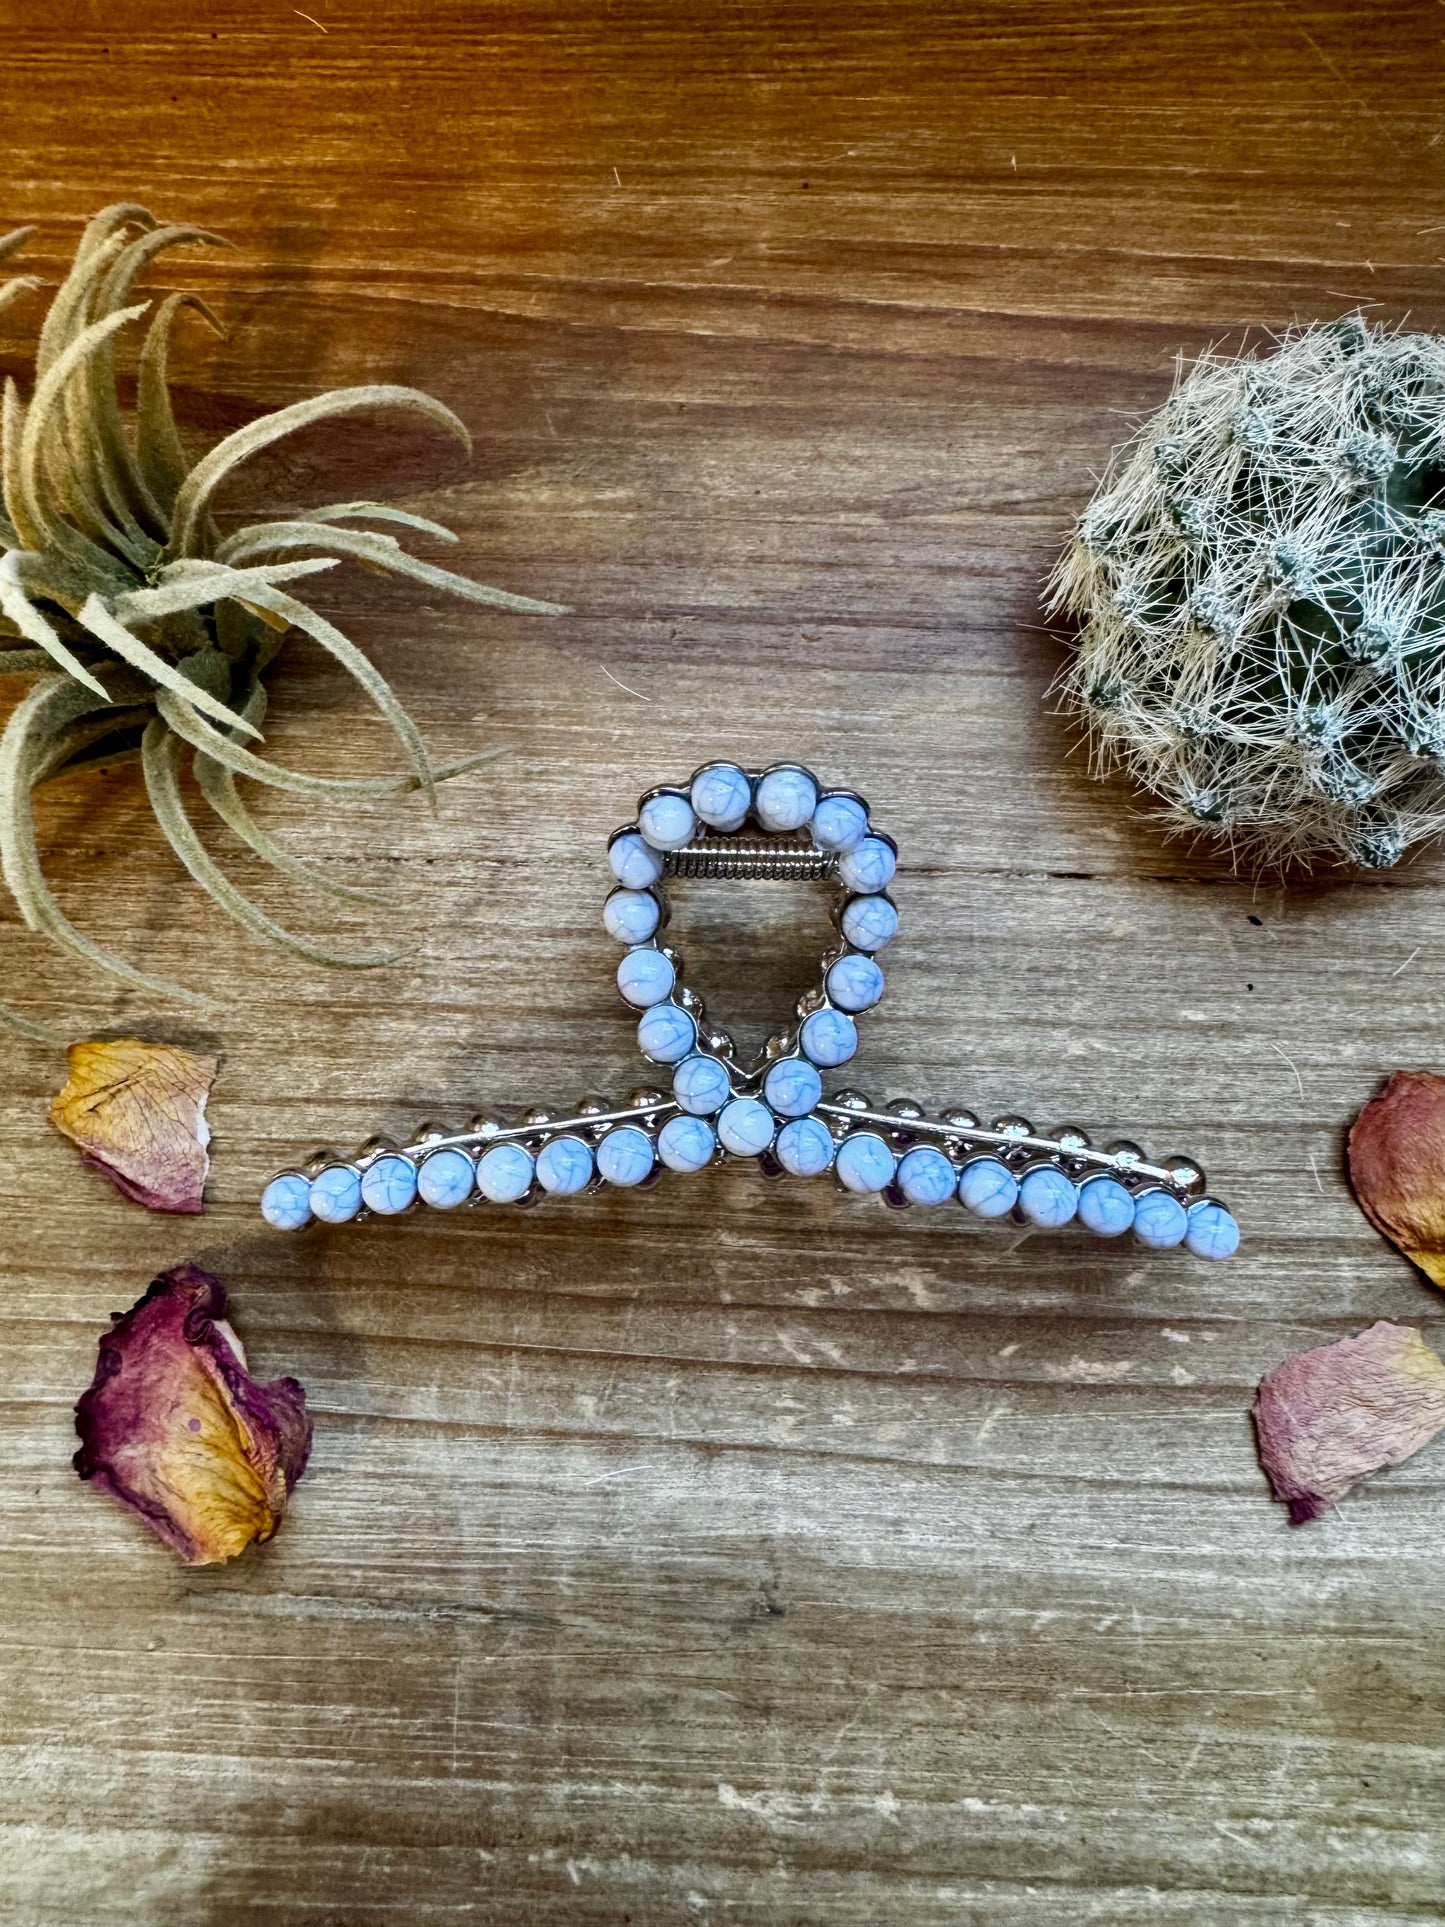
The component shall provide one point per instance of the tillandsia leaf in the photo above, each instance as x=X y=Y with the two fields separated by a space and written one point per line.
x=10 y=243
x=103 y=237
x=194 y=500
x=159 y=749
x=29 y=737
x=120 y=474
x=71 y=746
x=19 y=284
x=362 y=669
x=114 y=634
x=218 y=786
x=191 y=585
x=1397 y=1166
x=175 y=1428
x=25 y=662
x=137 y=1110
x=43 y=453
x=379 y=512
x=160 y=454
x=195 y=730
x=32 y=1032
x=1326 y=1418
x=34 y=627
x=380 y=552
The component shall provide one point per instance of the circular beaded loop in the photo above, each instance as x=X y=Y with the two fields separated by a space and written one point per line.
x=684 y=823
x=772 y=1110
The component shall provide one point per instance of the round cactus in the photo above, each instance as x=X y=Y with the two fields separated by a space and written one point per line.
x=1259 y=586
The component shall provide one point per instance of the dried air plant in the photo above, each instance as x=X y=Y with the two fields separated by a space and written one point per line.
x=1260 y=587
x=148 y=633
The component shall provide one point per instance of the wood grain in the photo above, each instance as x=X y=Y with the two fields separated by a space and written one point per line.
x=733 y=1554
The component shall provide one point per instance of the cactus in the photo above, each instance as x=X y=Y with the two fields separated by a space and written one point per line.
x=1259 y=587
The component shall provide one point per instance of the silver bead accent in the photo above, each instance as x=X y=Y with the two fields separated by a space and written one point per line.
x=537 y=1114
x=592 y=1106
x=959 y=1118
x=718 y=1041
x=319 y=1159
x=904 y=1107
x=810 y=1001
x=851 y=1101
x=485 y=1124
x=1070 y=1138
x=687 y=999
x=1124 y=1151
x=1185 y=1175
x=1013 y=1127
x=645 y=1097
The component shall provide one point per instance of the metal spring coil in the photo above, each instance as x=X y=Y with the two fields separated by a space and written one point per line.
x=754 y=857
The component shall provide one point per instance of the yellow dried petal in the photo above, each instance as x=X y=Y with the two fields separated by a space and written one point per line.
x=138 y=1113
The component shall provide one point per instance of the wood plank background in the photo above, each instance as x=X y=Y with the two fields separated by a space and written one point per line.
x=730 y=1554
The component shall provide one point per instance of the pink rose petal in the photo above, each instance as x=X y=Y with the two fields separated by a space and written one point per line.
x=1327 y=1417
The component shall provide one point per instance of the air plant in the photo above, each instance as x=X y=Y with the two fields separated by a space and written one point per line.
x=148 y=633
x=1259 y=583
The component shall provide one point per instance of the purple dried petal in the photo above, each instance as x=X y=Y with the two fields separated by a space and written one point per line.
x=175 y=1427
x=1325 y=1418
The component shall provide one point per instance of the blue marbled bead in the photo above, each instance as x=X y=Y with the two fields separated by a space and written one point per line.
x=336 y=1194
x=926 y=1176
x=626 y=1155
x=989 y=1189
x=1159 y=1220
x=1047 y=1197
x=792 y=1087
x=839 y=823
x=631 y=916
x=666 y=1034
x=786 y=798
x=855 y=983
x=564 y=1166
x=864 y=1162
x=745 y=1127
x=667 y=821
x=869 y=867
x=286 y=1202
x=645 y=976
x=700 y=1085
x=805 y=1147
x=686 y=1143
x=445 y=1179
x=635 y=864
x=829 y=1037
x=722 y=796
x=504 y=1173
x=388 y=1185
x=1212 y=1231
x=1105 y=1207
x=869 y=923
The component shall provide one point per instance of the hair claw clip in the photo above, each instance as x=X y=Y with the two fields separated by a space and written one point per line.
x=729 y=822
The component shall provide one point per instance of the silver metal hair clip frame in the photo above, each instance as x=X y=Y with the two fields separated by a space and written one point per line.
x=731 y=822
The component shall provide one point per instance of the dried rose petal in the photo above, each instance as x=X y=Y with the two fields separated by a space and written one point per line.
x=1397 y=1166
x=138 y=1113
x=1327 y=1417
x=175 y=1427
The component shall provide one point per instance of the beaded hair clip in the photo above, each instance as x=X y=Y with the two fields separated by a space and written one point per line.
x=729 y=822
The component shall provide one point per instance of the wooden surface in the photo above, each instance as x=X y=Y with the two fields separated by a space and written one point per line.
x=730 y=1554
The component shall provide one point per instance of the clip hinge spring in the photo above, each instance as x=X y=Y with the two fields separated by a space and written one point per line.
x=756 y=858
